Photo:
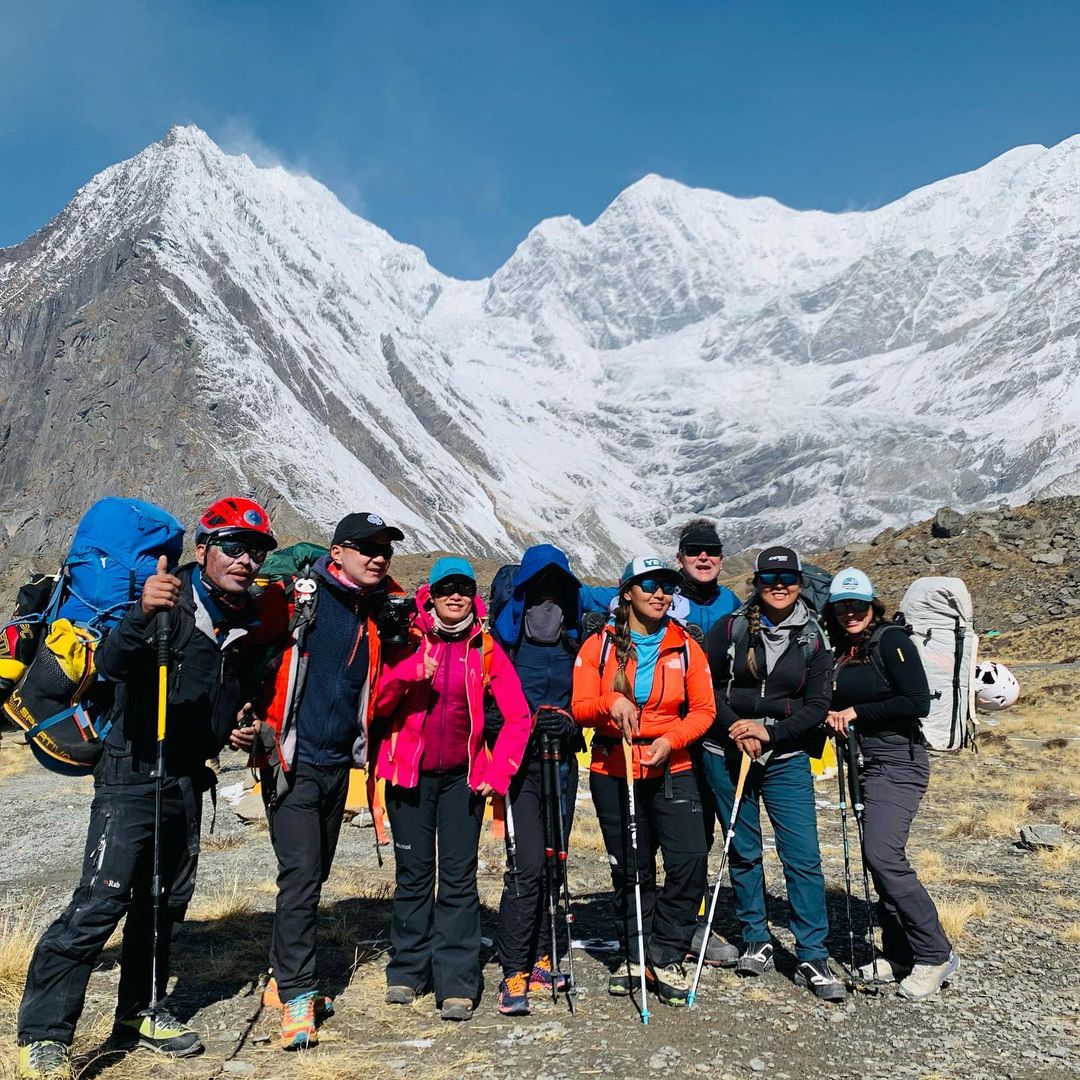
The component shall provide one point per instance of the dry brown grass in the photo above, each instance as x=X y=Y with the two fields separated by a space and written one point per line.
x=1056 y=860
x=1071 y=934
x=956 y=913
x=15 y=756
x=226 y=904
x=20 y=928
x=222 y=842
x=996 y=823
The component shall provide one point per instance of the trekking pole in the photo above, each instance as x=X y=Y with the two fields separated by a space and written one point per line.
x=859 y=808
x=561 y=846
x=161 y=640
x=628 y=755
x=840 y=751
x=744 y=771
x=550 y=865
x=511 y=844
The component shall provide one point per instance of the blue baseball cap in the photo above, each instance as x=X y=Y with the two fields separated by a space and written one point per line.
x=451 y=566
x=851 y=584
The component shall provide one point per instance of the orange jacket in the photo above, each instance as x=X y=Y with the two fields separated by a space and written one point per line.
x=682 y=683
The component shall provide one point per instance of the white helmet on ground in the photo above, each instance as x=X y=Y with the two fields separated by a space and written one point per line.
x=996 y=687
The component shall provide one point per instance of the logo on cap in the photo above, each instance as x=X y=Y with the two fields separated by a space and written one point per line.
x=850 y=583
x=647 y=563
x=374 y=519
x=253 y=517
x=778 y=558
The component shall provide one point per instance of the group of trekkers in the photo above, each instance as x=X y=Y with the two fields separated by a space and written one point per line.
x=701 y=707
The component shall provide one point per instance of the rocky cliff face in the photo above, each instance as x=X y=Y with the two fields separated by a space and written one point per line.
x=191 y=324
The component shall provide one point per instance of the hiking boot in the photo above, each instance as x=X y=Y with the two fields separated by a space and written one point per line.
x=623 y=980
x=162 y=1033
x=670 y=983
x=819 y=979
x=927 y=979
x=271 y=999
x=298 y=1030
x=887 y=971
x=544 y=974
x=755 y=959
x=514 y=994
x=400 y=995
x=456 y=1009
x=45 y=1060
x=719 y=953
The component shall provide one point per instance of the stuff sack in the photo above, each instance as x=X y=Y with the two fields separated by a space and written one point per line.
x=939 y=613
x=47 y=650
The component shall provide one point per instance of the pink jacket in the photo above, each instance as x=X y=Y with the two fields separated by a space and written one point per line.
x=403 y=699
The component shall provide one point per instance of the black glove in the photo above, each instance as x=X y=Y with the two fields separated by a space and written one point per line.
x=557 y=723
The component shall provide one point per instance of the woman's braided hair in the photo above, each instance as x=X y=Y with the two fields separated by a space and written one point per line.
x=624 y=648
x=753 y=621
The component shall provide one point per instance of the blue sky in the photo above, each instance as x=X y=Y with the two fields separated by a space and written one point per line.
x=458 y=125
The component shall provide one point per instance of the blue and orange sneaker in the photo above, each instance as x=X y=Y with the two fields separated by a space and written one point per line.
x=271 y=999
x=544 y=974
x=514 y=995
x=298 y=1030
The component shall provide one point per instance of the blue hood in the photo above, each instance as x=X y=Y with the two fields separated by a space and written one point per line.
x=535 y=559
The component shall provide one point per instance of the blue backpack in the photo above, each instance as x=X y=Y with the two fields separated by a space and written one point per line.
x=50 y=690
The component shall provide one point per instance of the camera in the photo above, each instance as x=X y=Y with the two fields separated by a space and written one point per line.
x=393 y=620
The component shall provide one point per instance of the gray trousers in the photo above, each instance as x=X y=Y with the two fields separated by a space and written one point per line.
x=894 y=778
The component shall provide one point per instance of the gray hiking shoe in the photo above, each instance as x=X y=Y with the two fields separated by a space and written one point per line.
x=45 y=1060
x=719 y=953
x=624 y=980
x=755 y=959
x=927 y=979
x=669 y=982
x=456 y=1009
x=400 y=995
x=818 y=978
x=886 y=971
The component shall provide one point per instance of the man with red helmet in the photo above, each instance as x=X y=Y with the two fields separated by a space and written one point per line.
x=211 y=621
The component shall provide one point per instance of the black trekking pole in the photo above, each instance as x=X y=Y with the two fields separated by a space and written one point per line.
x=560 y=850
x=744 y=770
x=550 y=863
x=859 y=808
x=161 y=640
x=840 y=751
x=511 y=843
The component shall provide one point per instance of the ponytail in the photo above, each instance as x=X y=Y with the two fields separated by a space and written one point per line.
x=624 y=648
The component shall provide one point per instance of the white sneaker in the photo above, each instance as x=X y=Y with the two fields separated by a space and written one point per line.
x=927 y=979
x=887 y=971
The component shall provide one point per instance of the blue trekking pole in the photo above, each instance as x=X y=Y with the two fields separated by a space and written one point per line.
x=859 y=808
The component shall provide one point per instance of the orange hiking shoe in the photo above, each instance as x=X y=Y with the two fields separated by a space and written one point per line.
x=544 y=974
x=298 y=1030
x=514 y=995
x=271 y=999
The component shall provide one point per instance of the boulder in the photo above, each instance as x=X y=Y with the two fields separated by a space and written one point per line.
x=1048 y=558
x=947 y=522
x=1034 y=837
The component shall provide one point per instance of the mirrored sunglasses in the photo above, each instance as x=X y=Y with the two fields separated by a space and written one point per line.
x=851 y=607
x=784 y=577
x=650 y=585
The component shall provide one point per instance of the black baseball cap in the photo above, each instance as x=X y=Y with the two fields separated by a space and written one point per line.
x=698 y=536
x=778 y=558
x=362 y=526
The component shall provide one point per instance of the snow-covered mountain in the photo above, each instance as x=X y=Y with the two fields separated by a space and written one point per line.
x=191 y=322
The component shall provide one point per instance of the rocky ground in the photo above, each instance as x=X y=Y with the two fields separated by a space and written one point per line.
x=1014 y=914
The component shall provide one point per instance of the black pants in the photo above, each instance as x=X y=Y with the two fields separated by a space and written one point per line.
x=116 y=881
x=435 y=936
x=675 y=827
x=304 y=827
x=522 y=911
x=894 y=777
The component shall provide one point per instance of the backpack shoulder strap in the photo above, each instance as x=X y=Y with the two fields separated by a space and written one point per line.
x=606 y=643
x=488 y=650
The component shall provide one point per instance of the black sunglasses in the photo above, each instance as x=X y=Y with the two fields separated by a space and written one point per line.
x=453 y=586
x=714 y=551
x=784 y=577
x=650 y=585
x=235 y=548
x=371 y=548
x=851 y=607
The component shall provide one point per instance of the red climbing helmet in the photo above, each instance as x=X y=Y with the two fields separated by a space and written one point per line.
x=235 y=518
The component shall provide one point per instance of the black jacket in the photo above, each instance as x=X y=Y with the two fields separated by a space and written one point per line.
x=209 y=680
x=888 y=690
x=794 y=696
